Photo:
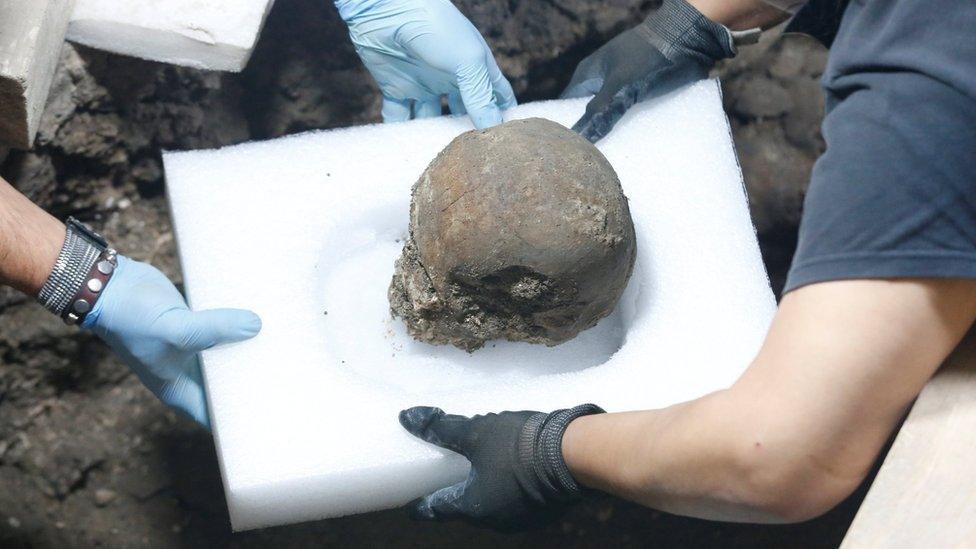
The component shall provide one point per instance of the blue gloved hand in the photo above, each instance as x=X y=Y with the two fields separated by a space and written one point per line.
x=145 y=320
x=420 y=50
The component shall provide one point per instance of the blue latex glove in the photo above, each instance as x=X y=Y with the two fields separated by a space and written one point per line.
x=420 y=50
x=145 y=320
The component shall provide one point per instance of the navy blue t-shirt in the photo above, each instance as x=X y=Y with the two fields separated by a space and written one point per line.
x=894 y=195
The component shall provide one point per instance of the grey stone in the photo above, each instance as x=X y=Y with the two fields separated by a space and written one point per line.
x=760 y=97
x=777 y=175
x=802 y=122
x=521 y=232
x=103 y=497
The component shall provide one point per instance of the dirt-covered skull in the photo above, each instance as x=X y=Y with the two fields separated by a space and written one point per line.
x=521 y=232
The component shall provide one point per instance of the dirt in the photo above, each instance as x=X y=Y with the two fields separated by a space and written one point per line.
x=518 y=232
x=88 y=458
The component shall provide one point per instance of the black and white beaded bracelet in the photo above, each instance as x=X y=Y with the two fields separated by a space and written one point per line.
x=80 y=273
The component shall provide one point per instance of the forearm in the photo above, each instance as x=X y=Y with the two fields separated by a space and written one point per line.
x=804 y=424
x=741 y=14
x=689 y=459
x=30 y=240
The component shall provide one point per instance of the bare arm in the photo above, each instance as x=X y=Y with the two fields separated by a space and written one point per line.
x=741 y=14
x=801 y=428
x=30 y=240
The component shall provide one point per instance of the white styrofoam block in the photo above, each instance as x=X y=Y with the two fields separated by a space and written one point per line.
x=304 y=230
x=206 y=34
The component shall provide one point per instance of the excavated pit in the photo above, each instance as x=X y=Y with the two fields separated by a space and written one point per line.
x=518 y=232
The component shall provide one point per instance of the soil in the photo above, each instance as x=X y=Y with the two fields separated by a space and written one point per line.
x=518 y=232
x=88 y=458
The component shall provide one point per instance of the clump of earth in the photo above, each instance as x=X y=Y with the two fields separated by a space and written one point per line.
x=519 y=232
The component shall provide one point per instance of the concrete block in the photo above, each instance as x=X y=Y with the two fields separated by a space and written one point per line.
x=31 y=34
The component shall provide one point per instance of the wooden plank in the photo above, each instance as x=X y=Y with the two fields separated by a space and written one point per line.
x=925 y=492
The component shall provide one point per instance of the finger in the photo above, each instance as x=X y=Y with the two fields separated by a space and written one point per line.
x=455 y=104
x=504 y=95
x=478 y=97
x=395 y=110
x=197 y=331
x=582 y=88
x=427 y=108
x=587 y=79
x=434 y=426
x=603 y=112
x=186 y=394
x=443 y=504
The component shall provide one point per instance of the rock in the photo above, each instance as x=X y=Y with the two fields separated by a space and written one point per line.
x=760 y=97
x=33 y=175
x=802 y=122
x=789 y=61
x=104 y=496
x=777 y=175
x=520 y=232
x=30 y=323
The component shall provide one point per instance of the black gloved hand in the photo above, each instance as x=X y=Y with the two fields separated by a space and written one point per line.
x=518 y=475
x=674 y=46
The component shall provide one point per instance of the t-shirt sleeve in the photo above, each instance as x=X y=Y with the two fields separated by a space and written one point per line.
x=894 y=195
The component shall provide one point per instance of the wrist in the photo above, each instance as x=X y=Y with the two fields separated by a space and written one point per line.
x=80 y=273
x=50 y=237
x=739 y=15
x=576 y=451
x=546 y=433
x=682 y=33
x=30 y=239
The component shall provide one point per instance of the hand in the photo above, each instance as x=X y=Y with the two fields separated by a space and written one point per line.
x=517 y=476
x=674 y=46
x=419 y=50
x=145 y=320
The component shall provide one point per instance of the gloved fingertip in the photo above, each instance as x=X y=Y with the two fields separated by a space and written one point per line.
x=590 y=134
x=571 y=92
x=592 y=128
x=250 y=323
x=456 y=105
x=486 y=117
x=395 y=111
x=243 y=324
x=417 y=419
x=188 y=397
x=505 y=96
x=428 y=108
x=203 y=420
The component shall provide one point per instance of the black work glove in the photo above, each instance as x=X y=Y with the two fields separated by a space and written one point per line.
x=518 y=476
x=674 y=46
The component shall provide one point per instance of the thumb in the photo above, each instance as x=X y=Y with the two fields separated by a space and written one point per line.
x=443 y=504
x=204 y=329
x=587 y=78
x=603 y=112
x=474 y=84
